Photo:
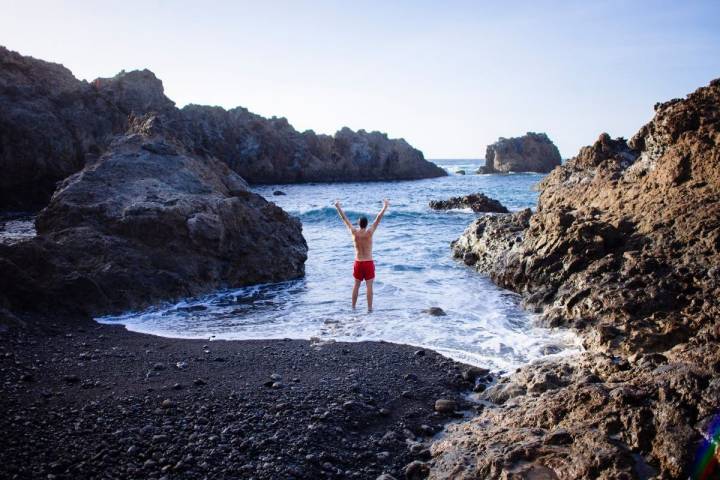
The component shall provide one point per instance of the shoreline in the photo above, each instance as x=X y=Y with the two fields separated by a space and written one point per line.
x=99 y=399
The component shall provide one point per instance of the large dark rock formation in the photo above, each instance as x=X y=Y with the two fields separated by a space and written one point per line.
x=624 y=248
x=148 y=220
x=477 y=202
x=52 y=124
x=533 y=152
x=271 y=151
x=49 y=122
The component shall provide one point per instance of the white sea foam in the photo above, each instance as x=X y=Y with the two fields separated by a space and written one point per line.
x=484 y=325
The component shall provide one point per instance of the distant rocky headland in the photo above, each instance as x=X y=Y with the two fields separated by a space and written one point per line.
x=625 y=249
x=533 y=152
x=54 y=124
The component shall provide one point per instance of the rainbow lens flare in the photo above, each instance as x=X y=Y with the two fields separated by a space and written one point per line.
x=706 y=460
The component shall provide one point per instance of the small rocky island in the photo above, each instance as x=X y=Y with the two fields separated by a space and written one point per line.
x=477 y=202
x=533 y=152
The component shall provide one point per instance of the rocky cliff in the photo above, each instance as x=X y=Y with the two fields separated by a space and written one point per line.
x=146 y=221
x=533 y=152
x=271 y=151
x=52 y=124
x=624 y=248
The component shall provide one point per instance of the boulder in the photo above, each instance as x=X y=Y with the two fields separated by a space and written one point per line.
x=533 y=152
x=148 y=221
x=478 y=202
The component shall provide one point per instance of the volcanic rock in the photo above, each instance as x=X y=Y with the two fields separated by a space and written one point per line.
x=54 y=124
x=478 y=202
x=150 y=220
x=533 y=152
x=624 y=249
x=50 y=122
x=271 y=151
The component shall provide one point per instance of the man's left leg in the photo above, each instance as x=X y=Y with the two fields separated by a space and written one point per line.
x=369 y=284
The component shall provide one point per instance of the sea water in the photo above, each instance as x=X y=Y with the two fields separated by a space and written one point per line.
x=484 y=325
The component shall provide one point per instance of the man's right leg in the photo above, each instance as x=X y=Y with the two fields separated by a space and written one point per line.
x=356 y=290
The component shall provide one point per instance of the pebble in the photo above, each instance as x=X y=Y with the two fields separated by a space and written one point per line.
x=167 y=403
x=445 y=406
x=159 y=366
x=181 y=365
x=416 y=470
x=199 y=382
x=71 y=378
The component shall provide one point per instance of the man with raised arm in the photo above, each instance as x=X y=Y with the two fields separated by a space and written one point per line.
x=364 y=268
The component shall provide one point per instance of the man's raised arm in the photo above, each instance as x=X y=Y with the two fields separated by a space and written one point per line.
x=379 y=217
x=344 y=218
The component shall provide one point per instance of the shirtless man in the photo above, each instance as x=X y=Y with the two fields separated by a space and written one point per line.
x=364 y=268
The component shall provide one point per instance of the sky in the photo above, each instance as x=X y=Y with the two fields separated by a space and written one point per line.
x=448 y=76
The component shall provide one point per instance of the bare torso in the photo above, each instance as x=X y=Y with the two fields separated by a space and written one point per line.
x=362 y=239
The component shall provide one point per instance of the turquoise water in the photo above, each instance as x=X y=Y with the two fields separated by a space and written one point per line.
x=484 y=324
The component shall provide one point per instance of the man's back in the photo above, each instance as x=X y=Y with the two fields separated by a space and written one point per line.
x=362 y=239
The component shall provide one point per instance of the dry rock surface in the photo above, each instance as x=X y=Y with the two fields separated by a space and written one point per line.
x=533 y=152
x=477 y=202
x=147 y=221
x=54 y=124
x=624 y=248
x=100 y=402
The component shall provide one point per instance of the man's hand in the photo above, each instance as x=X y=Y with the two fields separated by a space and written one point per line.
x=337 y=203
x=386 y=203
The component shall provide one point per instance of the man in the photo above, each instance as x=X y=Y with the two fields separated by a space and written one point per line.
x=364 y=268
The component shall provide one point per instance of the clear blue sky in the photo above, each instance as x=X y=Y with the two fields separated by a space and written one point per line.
x=448 y=76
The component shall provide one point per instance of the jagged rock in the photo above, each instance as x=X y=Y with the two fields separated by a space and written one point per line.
x=149 y=221
x=50 y=122
x=478 y=202
x=533 y=152
x=54 y=124
x=271 y=151
x=623 y=248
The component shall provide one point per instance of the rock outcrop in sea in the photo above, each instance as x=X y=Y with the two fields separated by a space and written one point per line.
x=533 y=152
x=477 y=202
x=54 y=124
x=624 y=248
x=148 y=220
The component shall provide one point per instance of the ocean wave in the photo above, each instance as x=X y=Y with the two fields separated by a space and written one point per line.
x=329 y=213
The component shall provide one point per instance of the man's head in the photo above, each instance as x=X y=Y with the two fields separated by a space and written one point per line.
x=362 y=222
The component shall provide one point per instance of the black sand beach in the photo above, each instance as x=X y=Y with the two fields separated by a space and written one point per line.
x=101 y=402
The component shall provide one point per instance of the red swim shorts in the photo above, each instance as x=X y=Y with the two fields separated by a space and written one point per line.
x=364 y=270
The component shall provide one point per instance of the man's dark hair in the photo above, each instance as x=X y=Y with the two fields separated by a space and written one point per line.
x=363 y=222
